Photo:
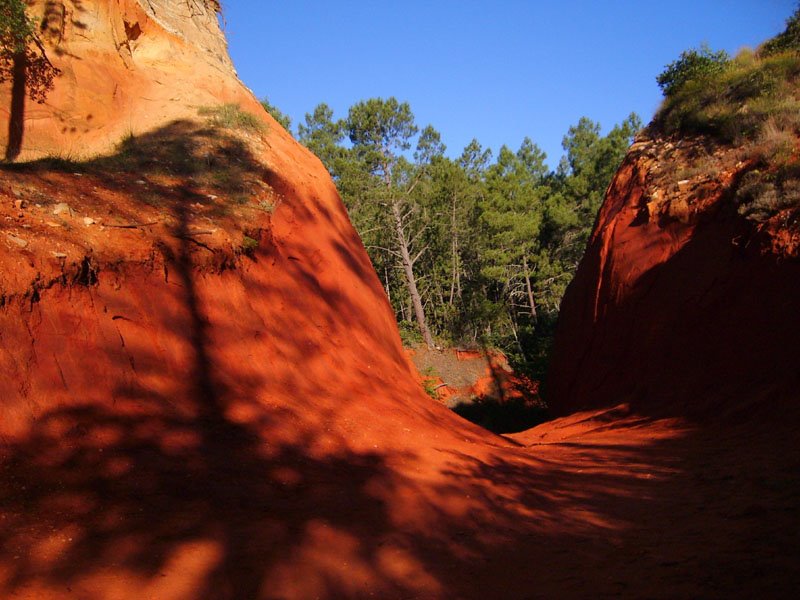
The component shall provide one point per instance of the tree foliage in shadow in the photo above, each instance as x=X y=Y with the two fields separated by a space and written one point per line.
x=502 y=416
x=24 y=61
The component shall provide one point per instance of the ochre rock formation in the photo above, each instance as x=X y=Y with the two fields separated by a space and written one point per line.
x=203 y=393
x=202 y=386
x=127 y=66
x=682 y=306
x=481 y=386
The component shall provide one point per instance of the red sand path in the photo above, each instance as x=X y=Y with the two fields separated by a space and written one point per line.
x=618 y=507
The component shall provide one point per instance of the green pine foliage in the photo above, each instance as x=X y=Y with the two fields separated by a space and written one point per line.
x=495 y=240
x=282 y=118
x=324 y=137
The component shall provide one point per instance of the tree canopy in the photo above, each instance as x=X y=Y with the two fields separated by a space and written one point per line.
x=471 y=250
x=21 y=50
x=282 y=118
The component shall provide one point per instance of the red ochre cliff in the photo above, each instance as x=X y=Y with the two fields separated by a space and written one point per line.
x=203 y=392
x=682 y=306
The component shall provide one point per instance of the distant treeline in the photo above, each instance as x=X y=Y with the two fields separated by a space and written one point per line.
x=475 y=250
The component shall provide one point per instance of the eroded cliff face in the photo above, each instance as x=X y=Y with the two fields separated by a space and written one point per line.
x=686 y=300
x=194 y=21
x=127 y=67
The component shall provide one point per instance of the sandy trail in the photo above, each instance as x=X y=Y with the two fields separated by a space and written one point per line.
x=594 y=505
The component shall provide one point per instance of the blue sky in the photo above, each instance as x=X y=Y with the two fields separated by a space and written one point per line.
x=495 y=70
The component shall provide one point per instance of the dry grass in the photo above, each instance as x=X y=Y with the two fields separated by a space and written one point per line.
x=776 y=143
x=231 y=116
x=762 y=195
x=736 y=104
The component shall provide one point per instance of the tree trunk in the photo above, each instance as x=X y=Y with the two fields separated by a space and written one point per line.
x=455 y=280
x=16 y=120
x=386 y=279
x=441 y=297
x=528 y=287
x=411 y=281
x=516 y=337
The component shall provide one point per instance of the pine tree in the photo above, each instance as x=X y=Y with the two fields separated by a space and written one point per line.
x=380 y=132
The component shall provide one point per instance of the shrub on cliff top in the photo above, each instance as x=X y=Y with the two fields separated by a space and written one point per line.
x=734 y=104
x=732 y=101
x=692 y=65
x=788 y=40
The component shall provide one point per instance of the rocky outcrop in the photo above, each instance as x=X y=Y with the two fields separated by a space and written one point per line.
x=686 y=300
x=194 y=21
x=126 y=67
x=481 y=386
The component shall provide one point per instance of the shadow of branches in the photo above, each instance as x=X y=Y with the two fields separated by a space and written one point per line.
x=148 y=457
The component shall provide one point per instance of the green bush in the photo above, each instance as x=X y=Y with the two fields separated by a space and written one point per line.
x=430 y=382
x=249 y=246
x=788 y=40
x=734 y=104
x=409 y=334
x=692 y=65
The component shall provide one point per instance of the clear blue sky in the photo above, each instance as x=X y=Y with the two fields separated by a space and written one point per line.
x=496 y=70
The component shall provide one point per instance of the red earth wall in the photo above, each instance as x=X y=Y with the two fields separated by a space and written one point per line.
x=680 y=305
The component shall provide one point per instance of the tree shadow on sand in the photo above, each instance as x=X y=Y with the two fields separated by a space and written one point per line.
x=133 y=477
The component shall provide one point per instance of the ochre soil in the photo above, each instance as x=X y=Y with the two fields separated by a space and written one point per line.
x=186 y=417
x=594 y=505
x=203 y=393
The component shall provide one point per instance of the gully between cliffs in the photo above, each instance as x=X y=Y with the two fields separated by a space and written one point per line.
x=203 y=392
x=207 y=399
